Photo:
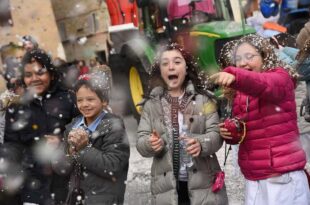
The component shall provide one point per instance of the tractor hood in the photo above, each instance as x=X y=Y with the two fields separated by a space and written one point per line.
x=221 y=29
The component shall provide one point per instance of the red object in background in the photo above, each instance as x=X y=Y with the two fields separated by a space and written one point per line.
x=122 y=12
x=237 y=129
x=83 y=70
x=218 y=182
x=178 y=8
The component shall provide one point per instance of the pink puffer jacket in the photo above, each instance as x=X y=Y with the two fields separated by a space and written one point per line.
x=267 y=102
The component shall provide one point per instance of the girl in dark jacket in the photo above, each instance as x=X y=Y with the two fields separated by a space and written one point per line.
x=38 y=120
x=96 y=145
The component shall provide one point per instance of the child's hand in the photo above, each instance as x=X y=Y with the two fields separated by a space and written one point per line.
x=78 y=139
x=223 y=78
x=156 y=141
x=52 y=140
x=193 y=146
x=224 y=132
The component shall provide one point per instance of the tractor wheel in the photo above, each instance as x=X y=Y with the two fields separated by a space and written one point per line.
x=120 y=94
x=296 y=25
x=137 y=79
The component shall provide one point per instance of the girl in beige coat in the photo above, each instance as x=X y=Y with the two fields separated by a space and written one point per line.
x=173 y=101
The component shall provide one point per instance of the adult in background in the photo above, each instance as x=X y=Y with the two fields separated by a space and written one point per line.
x=303 y=68
x=29 y=43
x=301 y=39
x=68 y=73
x=39 y=120
x=82 y=67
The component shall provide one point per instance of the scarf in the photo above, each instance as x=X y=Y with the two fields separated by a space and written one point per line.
x=175 y=107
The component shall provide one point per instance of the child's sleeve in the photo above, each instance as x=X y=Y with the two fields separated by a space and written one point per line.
x=144 y=131
x=271 y=85
x=210 y=140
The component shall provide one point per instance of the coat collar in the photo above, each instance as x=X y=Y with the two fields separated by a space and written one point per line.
x=157 y=92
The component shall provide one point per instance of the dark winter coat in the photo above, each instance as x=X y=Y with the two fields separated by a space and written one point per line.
x=26 y=125
x=104 y=163
x=202 y=119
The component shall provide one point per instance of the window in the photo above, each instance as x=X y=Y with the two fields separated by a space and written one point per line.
x=92 y=23
x=95 y=20
x=5 y=13
x=62 y=31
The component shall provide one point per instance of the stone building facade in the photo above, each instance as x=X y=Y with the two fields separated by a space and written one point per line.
x=83 y=27
x=70 y=29
x=28 y=17
x=31 y=17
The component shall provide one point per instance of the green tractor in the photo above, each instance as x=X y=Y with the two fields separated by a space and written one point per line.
x=131 y=59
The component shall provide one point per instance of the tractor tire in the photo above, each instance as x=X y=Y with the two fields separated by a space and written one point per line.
x=137 y=84
x=296 y=25
x=120 y=94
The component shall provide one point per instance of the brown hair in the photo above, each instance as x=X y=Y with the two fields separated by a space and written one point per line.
x=192 y=69
x=267 y=52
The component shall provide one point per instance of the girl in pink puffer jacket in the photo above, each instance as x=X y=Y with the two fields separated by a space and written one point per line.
x=271 y=156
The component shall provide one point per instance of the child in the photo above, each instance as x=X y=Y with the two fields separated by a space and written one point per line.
x=45 y=109
x=271 y=156
x=176 y=101
x=11 y=95
x=97 y=144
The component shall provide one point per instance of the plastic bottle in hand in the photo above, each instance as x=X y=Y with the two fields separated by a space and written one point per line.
x=186 y=159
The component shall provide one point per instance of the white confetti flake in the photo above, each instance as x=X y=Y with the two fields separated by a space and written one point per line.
x=56 y=131
x=79 y=197
x=278 y=109
x=82 y=41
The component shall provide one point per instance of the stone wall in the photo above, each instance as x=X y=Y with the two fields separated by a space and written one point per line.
x=83 y=27
x=36 y=18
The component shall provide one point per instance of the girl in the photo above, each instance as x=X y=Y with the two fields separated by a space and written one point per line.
x=45 y=109
x=270 y=157
x=97 y=146
x=176 y=101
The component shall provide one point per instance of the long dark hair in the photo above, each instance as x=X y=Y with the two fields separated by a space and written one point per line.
x=192 y=70
x=41 y=57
